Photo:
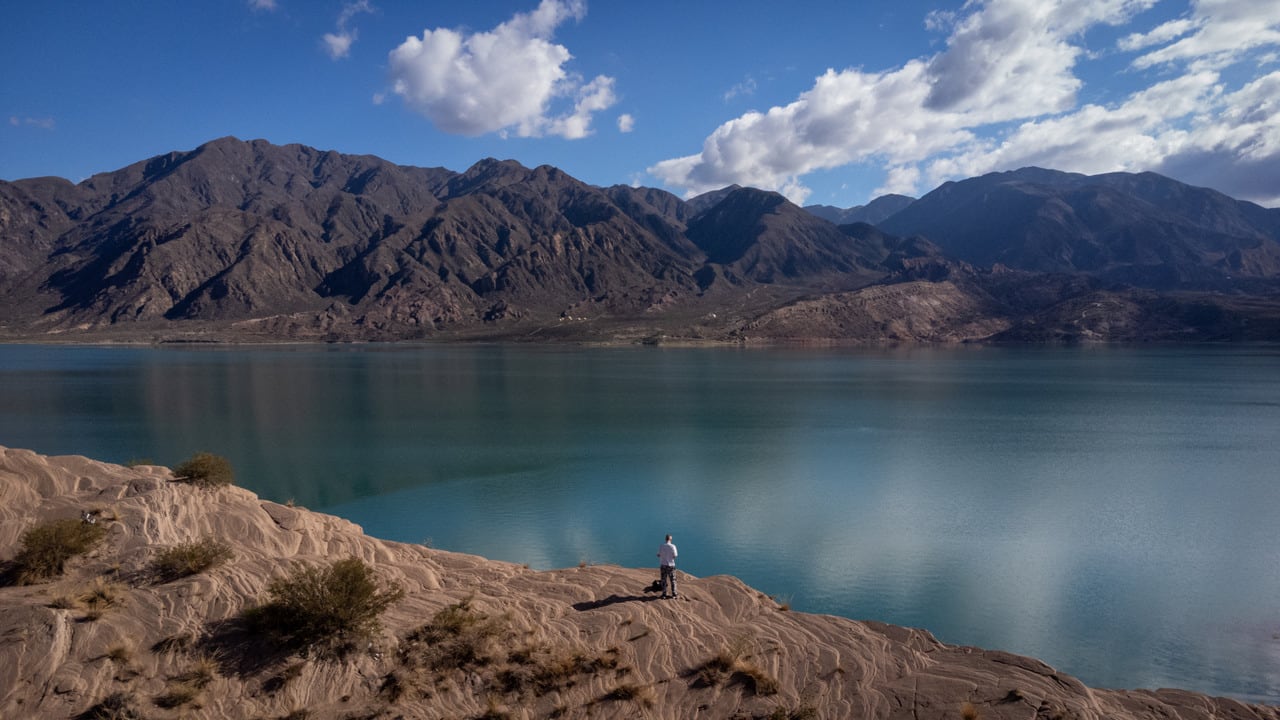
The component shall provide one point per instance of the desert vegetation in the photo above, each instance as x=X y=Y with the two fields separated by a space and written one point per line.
x=47 y=547
x=560 y=644
x=328 y=609
x=733 y=665
x=190 y=558
x=498 y=662
x=205 y=470
x=99 y=596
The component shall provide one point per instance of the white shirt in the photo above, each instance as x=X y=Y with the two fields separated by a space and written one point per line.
x=667 y=554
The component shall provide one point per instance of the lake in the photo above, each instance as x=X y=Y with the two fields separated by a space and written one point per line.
x=1110 y=511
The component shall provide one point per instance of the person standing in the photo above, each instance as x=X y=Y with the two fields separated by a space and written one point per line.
x=667 y=566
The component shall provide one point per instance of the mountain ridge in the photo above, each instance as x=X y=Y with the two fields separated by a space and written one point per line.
x=250 y=241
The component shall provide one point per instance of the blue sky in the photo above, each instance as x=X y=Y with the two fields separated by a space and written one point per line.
x=828 y=102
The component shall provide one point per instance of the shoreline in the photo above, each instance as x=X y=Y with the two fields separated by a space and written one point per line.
x=838 y=666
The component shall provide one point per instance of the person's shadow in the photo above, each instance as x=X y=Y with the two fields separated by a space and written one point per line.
x=655 y=586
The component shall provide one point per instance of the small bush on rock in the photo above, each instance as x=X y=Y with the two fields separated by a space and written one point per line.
x=190 y=558
x=326 y=608
x=47 y=547
x=205 y=470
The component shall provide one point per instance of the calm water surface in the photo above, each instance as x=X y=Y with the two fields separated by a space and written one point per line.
x=1110 y=511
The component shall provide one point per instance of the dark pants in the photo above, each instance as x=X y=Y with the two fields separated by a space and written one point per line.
x=668 y=576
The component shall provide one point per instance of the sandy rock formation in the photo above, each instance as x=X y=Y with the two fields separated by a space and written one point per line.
x=579 y=642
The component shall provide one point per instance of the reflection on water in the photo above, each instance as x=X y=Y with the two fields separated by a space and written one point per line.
x=1107 y=510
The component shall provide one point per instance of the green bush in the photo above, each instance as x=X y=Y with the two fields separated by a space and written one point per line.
x=47 y=547
x=206 y=470
x=326 y=608
x=190 y=558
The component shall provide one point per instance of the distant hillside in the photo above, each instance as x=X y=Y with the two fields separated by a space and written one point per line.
x=1143 y=230
x=249 y=241
x=873 y=213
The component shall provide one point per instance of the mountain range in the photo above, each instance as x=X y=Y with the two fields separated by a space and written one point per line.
x=250 y=241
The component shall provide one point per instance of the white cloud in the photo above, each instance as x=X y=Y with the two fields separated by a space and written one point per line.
x=506 y=79
x=1161 y=34
x=902 y=180
x=745 y=88
x=846 y=117
x=1234 y=144
x=338 y=44
x=1190 y=128
x=267 y=5
x=43 y=123
x=1093 y=139
x=626 y=123
x=1014 y=61
x=593 y=97
x=1224 y=32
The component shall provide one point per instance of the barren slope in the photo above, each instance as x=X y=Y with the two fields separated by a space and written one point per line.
x=627 y=654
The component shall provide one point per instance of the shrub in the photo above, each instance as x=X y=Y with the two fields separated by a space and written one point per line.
x=328 y=608
x=202 y=671
x=47 y=547
x=630 y=691
x=206 y=470
x=457 y=637
x=173 y=643
x=177 y=696
x=99 y=596
x=732 y=664
x=543 y=669
x=190 y=558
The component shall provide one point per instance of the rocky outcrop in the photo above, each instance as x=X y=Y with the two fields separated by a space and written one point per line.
x=590 y=641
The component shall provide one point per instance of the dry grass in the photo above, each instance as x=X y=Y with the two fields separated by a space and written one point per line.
x=463 y=646
x=494 y=709
x=100 y=596
x=120 y=654
x=969 y=712
x=177 y=695
x=116 y=706
x=327 y=609
x=202 y=671
x=542 y=669
x=173 y=643
x=280 y=680
x=190 y=558
x=731 y=665
x=642 y=695
x=205 y=470
x=47 y=547
x=458 y=637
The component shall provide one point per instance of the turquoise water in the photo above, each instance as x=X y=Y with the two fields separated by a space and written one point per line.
x=1110 y=511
